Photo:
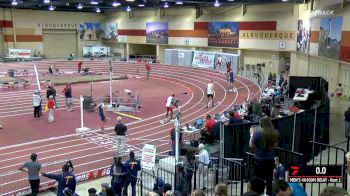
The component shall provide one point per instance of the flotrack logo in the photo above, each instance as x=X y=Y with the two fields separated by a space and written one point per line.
x=321 y=13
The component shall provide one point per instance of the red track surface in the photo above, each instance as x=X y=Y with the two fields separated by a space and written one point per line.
x=57 y=141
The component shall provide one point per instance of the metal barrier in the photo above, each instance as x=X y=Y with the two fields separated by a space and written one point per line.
x=122 y=101
x=324 y=155
x=16 y=182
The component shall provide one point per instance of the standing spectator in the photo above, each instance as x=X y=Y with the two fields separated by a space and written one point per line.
x=264 y=140
x=221 y=190
x=41 y=105
x=218 y=63
x=103 y=117
x=210 y=93
x=279 y=172
x=256 y=187
x=51 y=91
x=36 y=104
x=50 y=70
x=148 y=69
x=282 y=188
x=104 y=187
x=32 y=168
x=118 y=173
x=133 y=167
x=51 y=107
x=347 y=122
x=338 y=92
x=79 y=66
x=65 y=180
x=203 y=163
x=180 y=180
x=69 y=192
x=68 y=95
x=173 y=141
x=120 y=129
x=92 y=192
x=189 y=163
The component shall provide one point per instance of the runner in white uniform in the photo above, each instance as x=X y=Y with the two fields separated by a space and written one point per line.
x=168 y=104
x=210 y=93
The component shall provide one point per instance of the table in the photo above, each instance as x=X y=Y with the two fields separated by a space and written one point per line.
x=302 y=97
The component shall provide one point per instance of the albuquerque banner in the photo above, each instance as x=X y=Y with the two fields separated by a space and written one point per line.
x=203 y=59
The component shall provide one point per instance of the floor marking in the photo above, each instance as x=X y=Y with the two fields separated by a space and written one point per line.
x=128 y=115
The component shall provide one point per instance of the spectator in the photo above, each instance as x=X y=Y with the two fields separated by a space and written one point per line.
x=133 y=167
x=92 y=192
x=152 y=194
x=36 y=104
x=51 y=91
x=68 y=95
x=65 y=180
x=159 y=185
x=197 y=192
x=264 y=140
x=79 y=66
x=68 y=192
x=180 y=182
x=203 y=163
x=109 y=191
x=120 y=129
x=338 y=92
x=347 y=122
x=50 y=70
x=71 y=56
x=221 y=190
x=173 y=141
x=347 y=156
x=104 y=187
x=282 y=188
x=256 y=187
x=207 y=132
x=333 y=191
x=279 y=172
x=189 y=163
x=32 y=168
x=51 y=107
x=118 y=173
x=167 y=187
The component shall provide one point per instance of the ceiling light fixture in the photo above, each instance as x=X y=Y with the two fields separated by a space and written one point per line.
x=141 y=5
x=166 y=5
x=98 y=10
x=216 y=4
x=129 y=0
x=94 y=2
x=80 y=6
x=284 y=0
x=179 y=2
x=128 y=9
x=51 y=8
x=14 y=2
x=115 y=4
x=46 y=1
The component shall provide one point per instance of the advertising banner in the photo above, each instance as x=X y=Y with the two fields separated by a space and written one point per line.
x=223 y=34
x=303 y=36
x=19 y=53
x=330 y=37
x=203 y=59
x=90 y=31
x=148 y=157
x=109 y=32
x=157 y=32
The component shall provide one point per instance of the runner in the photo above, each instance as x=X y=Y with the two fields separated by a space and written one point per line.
x=338 y=92
x=102 y=114
x=210 y=93
x=148 y=69
x=228 y=69
x=169 y=108
x=218 y=63
x=79 y=66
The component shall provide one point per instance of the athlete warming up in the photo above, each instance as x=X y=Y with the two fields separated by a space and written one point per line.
x=210 y=93
x=169 y=108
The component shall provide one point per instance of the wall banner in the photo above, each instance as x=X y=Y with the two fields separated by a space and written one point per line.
x=203 y=59
x=267 y=35
x=19 y=53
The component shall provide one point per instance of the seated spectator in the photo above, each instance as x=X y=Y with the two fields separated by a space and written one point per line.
x=333 y=191
x=197 y=192
x=256 y=187
x=104 y=186
x=220 y=190
x=207 y=131
x=282 y=188
x=167 y=187
x=233 y=118
x=279 y=172
x=109 y=191
x=68 y=192
x=92 y=192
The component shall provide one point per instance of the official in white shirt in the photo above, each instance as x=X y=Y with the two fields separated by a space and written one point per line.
x=203 y=163
x=210 y=93
x=36 y=104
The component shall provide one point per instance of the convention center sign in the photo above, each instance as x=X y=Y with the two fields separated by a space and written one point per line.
x=58 y=25
x=203 y=59
x=267 y=35
x=223 y=34
x=157 y=32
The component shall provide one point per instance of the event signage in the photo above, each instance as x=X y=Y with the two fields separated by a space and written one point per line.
x=58 y=25
x=203 y=59
x=148 y=157
x=19 y=53
x=267 y=35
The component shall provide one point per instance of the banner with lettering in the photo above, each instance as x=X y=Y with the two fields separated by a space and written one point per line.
x=267 y=35
x=148 y=157
x=203 y=59
x=19 y=53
